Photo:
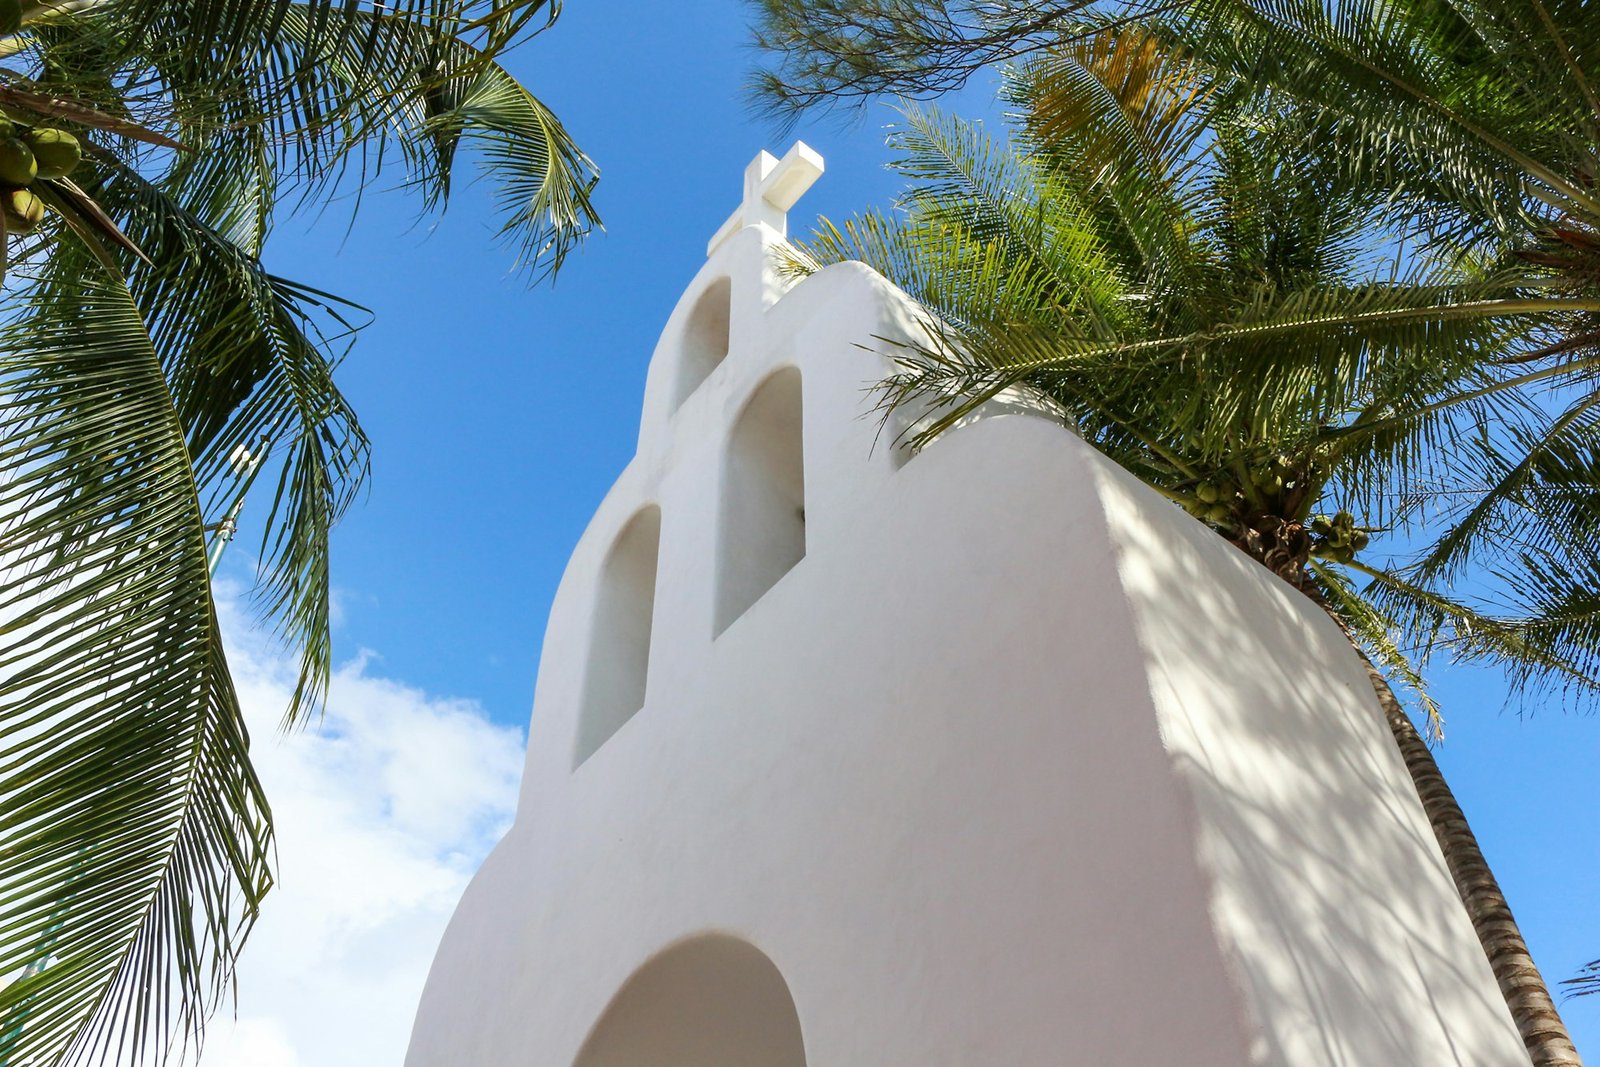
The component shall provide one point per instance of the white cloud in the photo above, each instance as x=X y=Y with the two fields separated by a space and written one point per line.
x=382 y=813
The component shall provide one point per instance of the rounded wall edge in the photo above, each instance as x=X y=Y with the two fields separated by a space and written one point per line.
x=1344 y=933
x=438 y=1032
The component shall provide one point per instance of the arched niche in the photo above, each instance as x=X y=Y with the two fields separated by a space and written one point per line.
x=705 y=339
x=762 y=529
x=714 y=1001
x=619 y=647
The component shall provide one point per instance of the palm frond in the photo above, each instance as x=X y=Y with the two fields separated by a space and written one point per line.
x=1587 y=980
x=250 y=357
x=1536 y=653
x=1285 y=367
x=983 y=236
x=1460 y=104
x=942 y=266
x=1517 y=477
x=318 y=94
x=134 y=847
x=543 y=179
x=1121 y=114
x=1380 y=633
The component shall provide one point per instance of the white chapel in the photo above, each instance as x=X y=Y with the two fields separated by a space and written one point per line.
x=982 y=757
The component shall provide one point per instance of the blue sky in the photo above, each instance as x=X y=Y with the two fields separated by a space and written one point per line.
x=499 y=415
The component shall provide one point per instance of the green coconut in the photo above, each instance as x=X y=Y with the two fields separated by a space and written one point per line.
x=24 y=211
x=1219 y=513
x=17 y=165
x=1208 y=493
x=10 y=16
x=56 y=151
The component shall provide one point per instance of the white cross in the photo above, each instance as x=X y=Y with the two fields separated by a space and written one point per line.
x=771 y=187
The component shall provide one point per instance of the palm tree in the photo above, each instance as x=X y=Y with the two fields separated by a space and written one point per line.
x=1191 y=287
x=1484 y=115
x=1482 y=119
x=149 y=362
x=1479 y=120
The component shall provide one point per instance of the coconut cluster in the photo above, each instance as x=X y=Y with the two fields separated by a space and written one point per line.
x=1213 y=502
x=29 y=154
x=1219 y=500
x=1337 y=538
x=1242 y=508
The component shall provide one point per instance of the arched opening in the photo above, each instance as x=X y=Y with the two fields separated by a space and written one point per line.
x=763 y=520
x=619 y=648
x=714 y=1001
x=705 y=339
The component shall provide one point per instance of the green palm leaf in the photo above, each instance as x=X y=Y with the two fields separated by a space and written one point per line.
x=134 y=841
x=145 y=352
x=250 y=362
x=310 y=93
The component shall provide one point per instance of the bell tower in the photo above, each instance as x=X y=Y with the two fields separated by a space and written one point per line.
x=986 y=757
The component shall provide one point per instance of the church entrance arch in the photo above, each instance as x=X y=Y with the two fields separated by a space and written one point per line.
x=712 y=1001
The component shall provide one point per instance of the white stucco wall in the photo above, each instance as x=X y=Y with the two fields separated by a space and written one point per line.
x=1017 y=765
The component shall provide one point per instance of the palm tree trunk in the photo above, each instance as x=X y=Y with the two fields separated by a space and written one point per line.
x=1532 y=1008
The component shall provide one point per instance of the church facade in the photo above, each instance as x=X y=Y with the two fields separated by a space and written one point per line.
x=986 y=757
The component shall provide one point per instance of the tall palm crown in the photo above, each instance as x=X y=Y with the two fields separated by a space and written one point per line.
x=149 y=364
x=1479 y=121
x=1188 y=287
x=1483 y=114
